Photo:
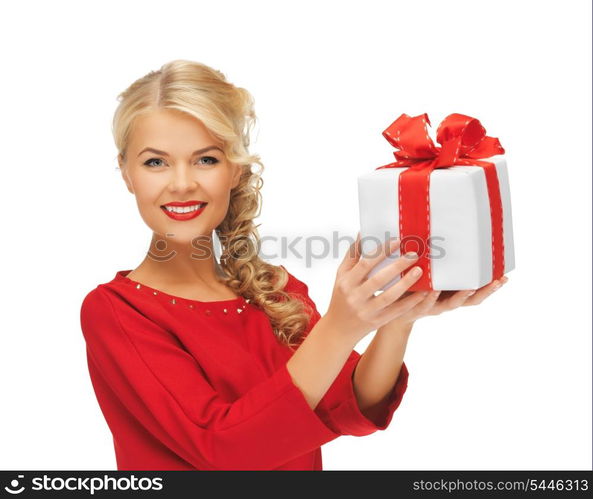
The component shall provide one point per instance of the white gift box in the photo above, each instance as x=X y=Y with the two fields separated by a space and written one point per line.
x=460 y=222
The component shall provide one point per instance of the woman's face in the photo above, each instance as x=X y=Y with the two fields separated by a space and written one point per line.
x=173 y=157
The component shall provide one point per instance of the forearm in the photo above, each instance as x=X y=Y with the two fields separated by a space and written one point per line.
x=319 y=359
x=379 y=367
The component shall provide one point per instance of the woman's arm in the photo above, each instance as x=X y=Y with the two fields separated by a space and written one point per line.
x=319 y=359
x=321 y=356
x=352 y=314
x=379 y=368
x=339 y=408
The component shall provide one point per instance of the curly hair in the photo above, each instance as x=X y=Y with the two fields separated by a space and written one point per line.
x=227 y=111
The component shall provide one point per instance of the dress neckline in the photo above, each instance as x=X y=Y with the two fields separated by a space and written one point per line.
x=122 y=276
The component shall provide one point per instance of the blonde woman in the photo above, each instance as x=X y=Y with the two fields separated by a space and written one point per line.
x=206 y=365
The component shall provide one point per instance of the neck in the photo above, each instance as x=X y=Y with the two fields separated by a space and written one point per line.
x=177 y=263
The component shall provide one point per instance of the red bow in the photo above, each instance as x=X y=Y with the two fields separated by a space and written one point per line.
x=463 y=140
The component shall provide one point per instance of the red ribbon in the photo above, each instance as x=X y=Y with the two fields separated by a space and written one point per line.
x=463 y=140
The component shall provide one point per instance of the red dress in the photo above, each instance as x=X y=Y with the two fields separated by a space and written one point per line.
x=190 y=385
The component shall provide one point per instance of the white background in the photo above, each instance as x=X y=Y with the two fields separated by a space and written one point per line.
x=505 y=385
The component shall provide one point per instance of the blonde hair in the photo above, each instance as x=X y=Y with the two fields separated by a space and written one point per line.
x=227 y=112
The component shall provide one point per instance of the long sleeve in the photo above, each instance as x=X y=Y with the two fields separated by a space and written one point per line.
x=339 y=407
x=165 y=390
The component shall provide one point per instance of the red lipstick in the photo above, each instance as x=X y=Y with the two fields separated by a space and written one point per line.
x=184 y=216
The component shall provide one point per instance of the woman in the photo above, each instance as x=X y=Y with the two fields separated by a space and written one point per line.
x=194 y=362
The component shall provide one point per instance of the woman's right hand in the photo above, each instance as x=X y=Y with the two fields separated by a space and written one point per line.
x=354 y=308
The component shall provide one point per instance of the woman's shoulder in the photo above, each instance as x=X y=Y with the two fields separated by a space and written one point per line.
x=107 y=299
x=99 y=301
x=96 y=312
x=99 y=294
x=109 y=312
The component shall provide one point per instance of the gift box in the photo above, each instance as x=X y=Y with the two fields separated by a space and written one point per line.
x=450 y=204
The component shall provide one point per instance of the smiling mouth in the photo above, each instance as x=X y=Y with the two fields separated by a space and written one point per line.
x=183 y=209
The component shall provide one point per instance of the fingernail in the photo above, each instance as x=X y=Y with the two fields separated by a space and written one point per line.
x=471 y=292
x=416 y=271
x=425 y=293
x=411 y=254
x=497 y=286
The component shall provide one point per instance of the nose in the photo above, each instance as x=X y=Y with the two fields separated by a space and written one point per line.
x=182 y=178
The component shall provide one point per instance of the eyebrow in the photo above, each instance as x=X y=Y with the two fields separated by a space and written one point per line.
x=163 y=153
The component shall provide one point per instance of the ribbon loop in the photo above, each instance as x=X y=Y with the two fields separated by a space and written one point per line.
x=410 y=135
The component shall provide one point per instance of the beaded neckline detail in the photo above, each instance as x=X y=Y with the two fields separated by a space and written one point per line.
x=232 y=306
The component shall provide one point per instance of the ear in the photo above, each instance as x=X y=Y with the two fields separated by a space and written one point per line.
x=124 y=173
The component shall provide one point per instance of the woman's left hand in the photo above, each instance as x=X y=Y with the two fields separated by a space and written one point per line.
x=437 y=302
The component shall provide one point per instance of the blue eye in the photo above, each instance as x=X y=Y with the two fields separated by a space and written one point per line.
x=214 y=160
x=148 y=162
x=152 y=159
